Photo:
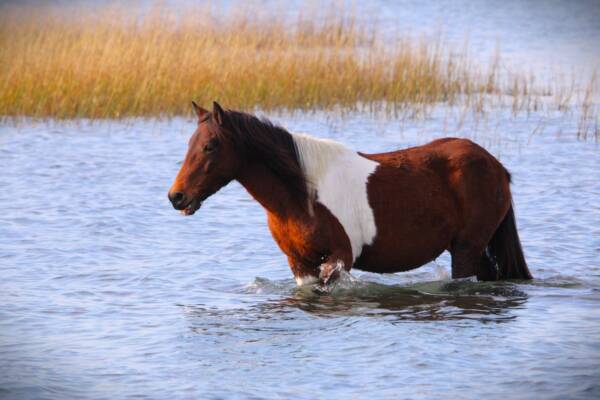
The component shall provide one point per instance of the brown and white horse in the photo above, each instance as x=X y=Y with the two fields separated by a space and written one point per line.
x=330 y=207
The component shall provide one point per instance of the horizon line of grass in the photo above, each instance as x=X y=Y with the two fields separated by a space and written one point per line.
x=107 y=63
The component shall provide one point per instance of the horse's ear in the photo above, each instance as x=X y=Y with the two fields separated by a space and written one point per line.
x=218 y=113
x=200 y=112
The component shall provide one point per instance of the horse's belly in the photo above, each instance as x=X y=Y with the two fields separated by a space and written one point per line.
x=415 y=223
x=402 y=254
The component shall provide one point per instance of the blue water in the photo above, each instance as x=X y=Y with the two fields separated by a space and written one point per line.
x=107 y=292
x=544 y=37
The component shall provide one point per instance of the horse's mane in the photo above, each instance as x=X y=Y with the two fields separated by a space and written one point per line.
x=271 y=144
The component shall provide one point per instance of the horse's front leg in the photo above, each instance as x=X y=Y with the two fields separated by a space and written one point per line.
x=304 y=274
x=332 y=266
x=329 y=272
x=325 y=273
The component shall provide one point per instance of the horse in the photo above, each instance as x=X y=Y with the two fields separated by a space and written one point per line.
x=331 y=208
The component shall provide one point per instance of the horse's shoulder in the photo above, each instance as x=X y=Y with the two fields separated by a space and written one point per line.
x=305 y=238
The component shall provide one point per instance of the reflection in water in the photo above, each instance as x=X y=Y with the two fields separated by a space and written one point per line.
x=431 y=301
x=449 y=301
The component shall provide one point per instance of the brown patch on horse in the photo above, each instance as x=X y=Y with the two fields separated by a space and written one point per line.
x=450 y=194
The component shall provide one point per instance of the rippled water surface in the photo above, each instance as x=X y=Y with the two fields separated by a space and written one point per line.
x=107 y=292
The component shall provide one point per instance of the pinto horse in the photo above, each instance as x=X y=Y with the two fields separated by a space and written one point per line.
x=330 y=207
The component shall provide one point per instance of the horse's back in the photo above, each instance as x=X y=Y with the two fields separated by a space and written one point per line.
x=461 y=163
x=446 y=150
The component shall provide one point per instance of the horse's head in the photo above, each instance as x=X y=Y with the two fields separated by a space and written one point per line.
x=211 y=162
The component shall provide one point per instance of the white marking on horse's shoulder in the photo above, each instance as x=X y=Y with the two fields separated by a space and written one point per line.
x=337 y=178
x=305 y=280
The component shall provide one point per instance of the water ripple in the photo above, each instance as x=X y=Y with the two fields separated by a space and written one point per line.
x=106 y=291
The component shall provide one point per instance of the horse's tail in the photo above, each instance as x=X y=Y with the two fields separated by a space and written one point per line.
x=505 y=249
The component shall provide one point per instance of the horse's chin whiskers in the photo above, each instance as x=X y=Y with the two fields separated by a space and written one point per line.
x=191 y=208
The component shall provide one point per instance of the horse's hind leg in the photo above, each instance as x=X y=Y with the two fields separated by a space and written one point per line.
x=464 y=261
x=487 y=268
x=472 y=260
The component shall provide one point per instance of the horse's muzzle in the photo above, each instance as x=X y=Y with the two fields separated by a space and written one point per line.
x=178 y=199
x=182 y=203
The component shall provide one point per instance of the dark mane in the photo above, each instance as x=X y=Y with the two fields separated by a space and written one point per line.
x=260 y=139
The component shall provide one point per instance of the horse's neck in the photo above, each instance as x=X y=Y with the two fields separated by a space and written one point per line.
x=270 y=191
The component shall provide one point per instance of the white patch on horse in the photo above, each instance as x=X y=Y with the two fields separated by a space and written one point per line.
x=305 y=280
x=337 y=178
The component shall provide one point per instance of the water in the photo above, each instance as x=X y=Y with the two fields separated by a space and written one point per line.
x=540 y=36
x=537 y=35
x=108 y=292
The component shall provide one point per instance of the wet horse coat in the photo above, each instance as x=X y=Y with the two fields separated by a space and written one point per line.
x=330 y=207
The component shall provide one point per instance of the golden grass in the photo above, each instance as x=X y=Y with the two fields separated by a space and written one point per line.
x=106 y=64
x=78 y=62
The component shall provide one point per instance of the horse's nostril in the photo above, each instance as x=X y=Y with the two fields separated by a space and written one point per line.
x=177 y=198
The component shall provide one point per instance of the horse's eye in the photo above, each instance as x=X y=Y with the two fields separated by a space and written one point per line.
x=210 y=147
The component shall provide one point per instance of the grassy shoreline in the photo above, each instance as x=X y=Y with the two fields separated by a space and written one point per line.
x=106 y=63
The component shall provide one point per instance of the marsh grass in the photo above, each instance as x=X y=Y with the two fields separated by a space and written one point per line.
x=107 y=63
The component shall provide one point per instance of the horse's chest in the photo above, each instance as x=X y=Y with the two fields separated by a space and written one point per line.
x=300 y=241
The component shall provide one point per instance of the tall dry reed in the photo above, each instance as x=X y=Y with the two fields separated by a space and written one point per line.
x=106 y=63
